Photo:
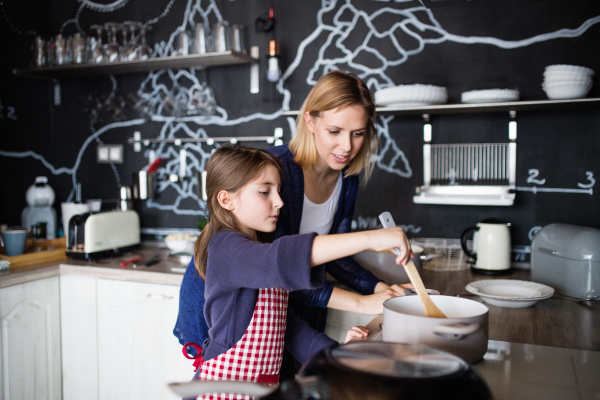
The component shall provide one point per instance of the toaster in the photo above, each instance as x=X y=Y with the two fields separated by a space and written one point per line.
x=104 y=234
x=567 y=258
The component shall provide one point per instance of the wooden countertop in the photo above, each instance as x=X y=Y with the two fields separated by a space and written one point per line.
x=107 y=268
x=553 y=322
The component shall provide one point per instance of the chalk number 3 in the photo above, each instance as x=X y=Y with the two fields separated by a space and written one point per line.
x=590 y=177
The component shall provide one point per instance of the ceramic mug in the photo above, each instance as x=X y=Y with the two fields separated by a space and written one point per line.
x=14 y=241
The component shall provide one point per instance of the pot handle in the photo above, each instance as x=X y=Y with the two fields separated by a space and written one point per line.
x=463 y=241
x=455 y=331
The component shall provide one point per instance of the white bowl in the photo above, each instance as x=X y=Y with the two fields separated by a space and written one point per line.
x=411 y=94
x=181 y=243
x=557 y=91
x=555 y=82
x=489 y=96
x=509 y=292
x=565 y=76
x=569 y=69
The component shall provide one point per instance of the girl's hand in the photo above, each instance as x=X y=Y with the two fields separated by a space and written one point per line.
x=397 y=288
x=373 y=304
x=356 y=332
x=389 y=239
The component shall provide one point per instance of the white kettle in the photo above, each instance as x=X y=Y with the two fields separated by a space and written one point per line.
x=491 y=247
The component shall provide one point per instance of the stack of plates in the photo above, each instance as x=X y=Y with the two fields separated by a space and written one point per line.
x=490 y=96
x=567 y=81
x=411 y=95
x=510 y=293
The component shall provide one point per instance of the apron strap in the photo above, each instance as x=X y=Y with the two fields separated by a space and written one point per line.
x=198 y=360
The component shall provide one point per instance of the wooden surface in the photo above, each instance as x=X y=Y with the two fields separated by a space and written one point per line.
x=37 y=252
x=551 y=322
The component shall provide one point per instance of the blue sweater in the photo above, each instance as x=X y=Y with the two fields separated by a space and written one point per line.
x=236 y=268
x=191 y=325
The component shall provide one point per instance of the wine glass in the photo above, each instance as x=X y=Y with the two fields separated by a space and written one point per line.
x=124 y=46
x=132 y=46
x=144 y=51
x=112 y=47
x=97 y=50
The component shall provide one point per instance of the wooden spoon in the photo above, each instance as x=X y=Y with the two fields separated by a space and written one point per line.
x=431 y=310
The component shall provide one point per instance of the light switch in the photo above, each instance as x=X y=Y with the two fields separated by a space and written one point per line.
x=115 y=154
x=102 y=154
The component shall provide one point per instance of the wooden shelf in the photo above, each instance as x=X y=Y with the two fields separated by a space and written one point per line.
x=127 y=67
x=484 y=107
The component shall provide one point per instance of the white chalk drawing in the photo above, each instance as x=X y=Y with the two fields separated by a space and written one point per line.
x=364 y=223
x=533 y=174
x=586 y=188
x=413 y=21
x=7 y=112
x=591 y=181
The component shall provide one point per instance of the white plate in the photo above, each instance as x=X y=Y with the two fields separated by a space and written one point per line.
x=490 y=96
x=510 y=293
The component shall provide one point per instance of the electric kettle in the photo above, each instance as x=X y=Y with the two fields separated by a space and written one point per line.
x=491 y=247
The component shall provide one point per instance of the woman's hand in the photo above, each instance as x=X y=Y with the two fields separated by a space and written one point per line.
x=389 y=239
x=373 y=304
x=356 y=332
x=398 y=288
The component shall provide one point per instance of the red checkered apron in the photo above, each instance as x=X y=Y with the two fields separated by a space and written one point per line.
x=256 y=357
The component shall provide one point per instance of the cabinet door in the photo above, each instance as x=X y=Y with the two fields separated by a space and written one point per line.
x=78 y=323
x=137 y=351
x=30 y=366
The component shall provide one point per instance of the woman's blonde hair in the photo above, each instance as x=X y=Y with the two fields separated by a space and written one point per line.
x=230 y=168
x=336 y=90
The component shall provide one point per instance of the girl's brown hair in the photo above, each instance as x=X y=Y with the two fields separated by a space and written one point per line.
x=230 y=168
x=336 y=90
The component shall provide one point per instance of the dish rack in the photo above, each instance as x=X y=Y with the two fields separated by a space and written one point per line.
x=453 y=259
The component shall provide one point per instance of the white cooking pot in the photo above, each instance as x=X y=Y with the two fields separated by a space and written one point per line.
x=464 y=333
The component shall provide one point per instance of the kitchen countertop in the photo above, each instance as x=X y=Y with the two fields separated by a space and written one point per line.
x=108 y=268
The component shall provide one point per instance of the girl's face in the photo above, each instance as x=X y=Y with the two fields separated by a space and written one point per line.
x=339 y=135
x=256 y=206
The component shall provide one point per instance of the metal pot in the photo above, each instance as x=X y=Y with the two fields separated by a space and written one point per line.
x=464 y=333
x=383 y=264
x=359 y=370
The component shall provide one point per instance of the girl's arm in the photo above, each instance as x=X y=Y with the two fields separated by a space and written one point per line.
x=368 y=305
x=331 y=247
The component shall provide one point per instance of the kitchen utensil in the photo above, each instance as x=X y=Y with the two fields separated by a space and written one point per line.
x=373 y=370
x=124 y=263
x=431 y=309
x=14 y=241
x=144 y=185
x=491 y=247
x=411 y=95
x=185 y=43
x=153 y=167
x=125 y=194
x=221 y=33
x=412 y=292
x=238 y=40
x=201 y=39
x=383 y=264
x=463 y=333
x=567 y=258
x=489 y=96
x=509 y=292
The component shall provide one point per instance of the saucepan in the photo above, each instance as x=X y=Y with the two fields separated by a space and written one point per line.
x=464 y=333
x=383 y=264
x=364 y=370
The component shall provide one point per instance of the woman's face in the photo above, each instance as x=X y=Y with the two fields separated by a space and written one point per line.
x=339 y=135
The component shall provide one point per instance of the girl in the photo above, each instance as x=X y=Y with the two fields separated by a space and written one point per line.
x=247 y=282
x=335 y=138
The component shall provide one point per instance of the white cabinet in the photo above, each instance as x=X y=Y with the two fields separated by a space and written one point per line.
x=30 y=356
x=118 y=340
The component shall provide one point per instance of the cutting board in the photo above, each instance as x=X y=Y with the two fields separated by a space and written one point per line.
x=38 y=252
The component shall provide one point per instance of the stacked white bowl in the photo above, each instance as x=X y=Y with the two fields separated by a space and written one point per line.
x=567 y=81
x=411 y=95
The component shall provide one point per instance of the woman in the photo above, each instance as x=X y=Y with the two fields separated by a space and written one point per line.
x=335 y=138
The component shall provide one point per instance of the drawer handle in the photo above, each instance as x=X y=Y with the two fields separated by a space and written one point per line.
x=159 y=296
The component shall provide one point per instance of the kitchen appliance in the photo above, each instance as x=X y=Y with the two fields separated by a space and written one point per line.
x=70 y=209
x=464 y=331
x=567 y=258
x=104 y=234
x=365 y=370
x=40 y=198
x=491 y=247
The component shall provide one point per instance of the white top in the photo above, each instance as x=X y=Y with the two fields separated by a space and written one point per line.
x=319 y=217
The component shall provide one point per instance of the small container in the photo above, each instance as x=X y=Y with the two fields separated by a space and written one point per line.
x=185 y=43
x=221 y=33
x=39 y=52
x=238 y=39
x=201 y=39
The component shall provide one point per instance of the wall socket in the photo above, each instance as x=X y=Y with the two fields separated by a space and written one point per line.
x=109 y=153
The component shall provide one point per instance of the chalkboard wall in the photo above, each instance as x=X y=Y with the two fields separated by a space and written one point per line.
x=462 y=47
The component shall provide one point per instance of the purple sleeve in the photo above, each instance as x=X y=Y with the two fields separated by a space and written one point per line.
x=244 y=263
x=302 y=341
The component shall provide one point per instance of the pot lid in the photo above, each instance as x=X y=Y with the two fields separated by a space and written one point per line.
x=397 y=360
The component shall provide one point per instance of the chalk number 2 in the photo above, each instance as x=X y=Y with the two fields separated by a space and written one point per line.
x=533 y=173
x=590 y=177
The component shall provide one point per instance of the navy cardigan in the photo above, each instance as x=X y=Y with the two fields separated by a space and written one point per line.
x=308 y=304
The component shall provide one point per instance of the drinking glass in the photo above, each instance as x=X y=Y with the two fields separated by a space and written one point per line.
x=144 y=51
x=112 y=47
x=132 y=52
x=79 y=49
x=97 y=49
x=124 y=46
